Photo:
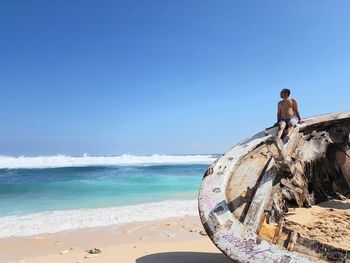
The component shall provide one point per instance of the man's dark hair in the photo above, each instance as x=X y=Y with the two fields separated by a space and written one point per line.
x=286 y=91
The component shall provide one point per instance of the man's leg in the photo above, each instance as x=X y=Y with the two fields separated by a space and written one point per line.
x=282 y=126
x=291 y=127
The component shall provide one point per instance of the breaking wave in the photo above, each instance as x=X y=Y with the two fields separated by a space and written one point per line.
x=9 y=162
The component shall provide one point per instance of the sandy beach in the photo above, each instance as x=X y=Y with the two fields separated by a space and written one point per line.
x=171 y=240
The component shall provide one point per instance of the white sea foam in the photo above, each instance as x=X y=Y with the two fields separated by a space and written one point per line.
x=81 y=161
x=55 y=221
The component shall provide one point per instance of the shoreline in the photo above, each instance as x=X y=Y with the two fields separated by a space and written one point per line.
x=49 y=222
x=175 y=239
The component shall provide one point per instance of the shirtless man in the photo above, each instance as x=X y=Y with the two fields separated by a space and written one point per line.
x=288 y=114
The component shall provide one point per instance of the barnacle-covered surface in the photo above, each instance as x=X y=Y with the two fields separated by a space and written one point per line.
x=251 y=197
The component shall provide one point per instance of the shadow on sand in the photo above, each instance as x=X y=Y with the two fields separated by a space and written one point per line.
x=184 y=257
x=336 y=204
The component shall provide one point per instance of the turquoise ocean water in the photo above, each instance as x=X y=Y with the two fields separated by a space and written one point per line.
x=48 y=194
x=48 y=189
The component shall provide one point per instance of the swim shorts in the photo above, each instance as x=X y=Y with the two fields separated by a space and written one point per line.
x=291 y=120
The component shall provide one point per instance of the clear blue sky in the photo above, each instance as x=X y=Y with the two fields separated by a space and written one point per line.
x=143 y=77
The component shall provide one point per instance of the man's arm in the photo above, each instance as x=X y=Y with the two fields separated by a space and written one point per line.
x=278 y=112
x=295 y=109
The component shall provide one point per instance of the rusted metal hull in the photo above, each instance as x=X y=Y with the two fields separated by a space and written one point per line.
x=242 y=191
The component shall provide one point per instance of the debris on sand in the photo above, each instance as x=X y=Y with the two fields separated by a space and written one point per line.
x=94 y=251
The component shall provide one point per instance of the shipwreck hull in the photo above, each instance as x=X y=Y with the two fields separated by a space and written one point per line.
x=247 y=194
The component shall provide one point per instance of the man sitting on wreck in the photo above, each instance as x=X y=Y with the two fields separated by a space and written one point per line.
x=288 y=114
